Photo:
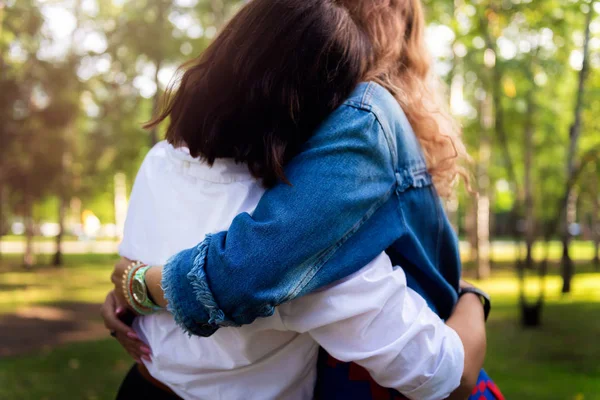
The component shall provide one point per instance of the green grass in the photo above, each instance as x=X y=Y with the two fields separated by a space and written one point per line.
x=504 y=251
x=558 y=361
x=84 y=278
x=79 y=371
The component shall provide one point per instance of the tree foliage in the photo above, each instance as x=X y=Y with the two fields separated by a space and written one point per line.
x=79 y=77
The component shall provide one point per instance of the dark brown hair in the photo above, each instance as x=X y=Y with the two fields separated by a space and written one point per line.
x=274 y=73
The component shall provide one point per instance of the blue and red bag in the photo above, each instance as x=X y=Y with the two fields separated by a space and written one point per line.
x=338 y=380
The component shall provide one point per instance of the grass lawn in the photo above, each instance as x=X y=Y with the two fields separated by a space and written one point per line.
x=507 y=251
x=84 y=278
x=559 y=361
x=79 y=371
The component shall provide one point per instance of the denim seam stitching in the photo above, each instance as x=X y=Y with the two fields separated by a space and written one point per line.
x=387 y=136
x=400 y=211
x=392 y=146
x=368 y=94
x=356 y=105
x=440 y=226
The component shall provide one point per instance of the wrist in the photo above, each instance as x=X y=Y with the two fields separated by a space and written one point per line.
x=135 y=289
x=478 y=296
x=153 y=282
x=470 y=301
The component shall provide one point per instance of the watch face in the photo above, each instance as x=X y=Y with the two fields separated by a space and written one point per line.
x=139 y=291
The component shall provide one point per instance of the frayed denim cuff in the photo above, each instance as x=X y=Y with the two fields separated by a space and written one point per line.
x=199 y=281
x=190 y=300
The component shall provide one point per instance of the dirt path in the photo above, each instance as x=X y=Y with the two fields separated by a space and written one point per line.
x=43 y=327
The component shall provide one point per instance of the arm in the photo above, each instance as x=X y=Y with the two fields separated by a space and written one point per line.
x=408 y=322
x=375 y=320
x=469 y=322
x=390 y=331
x=342 y=176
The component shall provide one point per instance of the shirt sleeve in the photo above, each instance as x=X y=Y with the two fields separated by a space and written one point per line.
x=375 y=320
x=343 y=175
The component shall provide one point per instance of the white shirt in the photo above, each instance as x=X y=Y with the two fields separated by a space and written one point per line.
x=371 y=317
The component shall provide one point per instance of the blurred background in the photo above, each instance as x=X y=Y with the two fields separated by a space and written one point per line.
x=79 y=77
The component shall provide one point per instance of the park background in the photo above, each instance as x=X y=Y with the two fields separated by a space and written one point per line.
x=79 y=77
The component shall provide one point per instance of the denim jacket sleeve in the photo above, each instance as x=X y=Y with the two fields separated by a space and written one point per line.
x=344 y=174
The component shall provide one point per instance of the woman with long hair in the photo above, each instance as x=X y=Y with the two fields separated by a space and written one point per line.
x=353 y=170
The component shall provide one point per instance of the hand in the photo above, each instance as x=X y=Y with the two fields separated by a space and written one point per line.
x=117 y=279
x=111 y=310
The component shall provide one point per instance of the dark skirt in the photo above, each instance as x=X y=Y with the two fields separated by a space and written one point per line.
x=135 y=386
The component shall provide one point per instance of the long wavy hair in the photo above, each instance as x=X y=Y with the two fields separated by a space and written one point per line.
x=402 y=64
x=279 y=67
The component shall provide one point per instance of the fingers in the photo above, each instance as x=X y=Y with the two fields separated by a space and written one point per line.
x=111 y=310
x=134 y=347
x=109 y=314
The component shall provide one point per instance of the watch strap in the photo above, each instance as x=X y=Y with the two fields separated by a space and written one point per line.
x=485 y=298
x=140 y=275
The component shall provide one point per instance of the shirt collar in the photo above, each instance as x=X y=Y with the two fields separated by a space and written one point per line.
x=223 y=170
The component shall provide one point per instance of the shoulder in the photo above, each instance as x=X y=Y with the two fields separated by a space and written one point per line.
x=153 y=162
x=377 y=100
x=156 y=159
x=355 y=128
x=158 y=151
x=393 y=121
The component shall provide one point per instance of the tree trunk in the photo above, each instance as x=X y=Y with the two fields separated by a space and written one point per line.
x=471 y=230
x=158 y=60
x=3 y=214
x=57 y=260
x=574 y=134
x=483 y=187
x=452 y=211
x=3 y=192
x=66 y=182
x=592 y=155
x=455 y=96
x=596 y=221
x=155 y=103
x=567 y=261
x=528 y=186
x=28 y=255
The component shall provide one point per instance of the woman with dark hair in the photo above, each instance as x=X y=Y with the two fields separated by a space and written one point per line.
x=352 y=171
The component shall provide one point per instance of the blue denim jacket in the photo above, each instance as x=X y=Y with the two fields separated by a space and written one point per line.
x=360 y=186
